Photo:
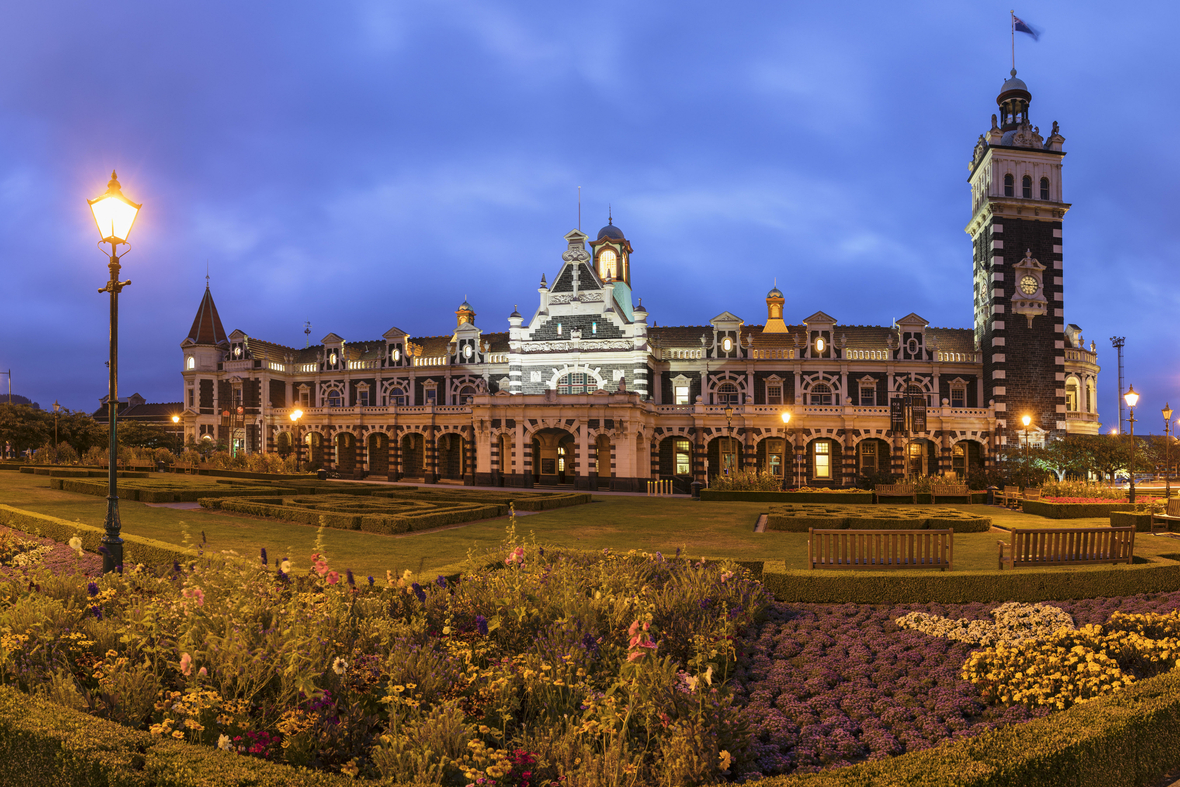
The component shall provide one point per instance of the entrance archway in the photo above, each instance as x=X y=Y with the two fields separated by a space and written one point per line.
x=315 y=450
x=450 y=456
x=553 y=457
x=413 y=450
x=346 y=454
x=724 y=456
x=921 y=458
x=378 y=448
x=283 y=444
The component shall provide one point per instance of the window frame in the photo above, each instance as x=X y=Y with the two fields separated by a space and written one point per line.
x=1026 y=187
x=826 y=454
x=812 y=394
x=1045 y=189
x=730 y=398
x=1009 y=185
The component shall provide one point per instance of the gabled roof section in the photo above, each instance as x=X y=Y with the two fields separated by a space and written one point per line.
x=912 y=320
x=331 y=338
x=237 y=335
x=207 y=328
x=394 y=333
x=819 y=318
x=725 y=317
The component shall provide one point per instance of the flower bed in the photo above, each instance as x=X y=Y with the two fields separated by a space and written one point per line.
x=799 y=518
x=599 y=668
x=826 y=686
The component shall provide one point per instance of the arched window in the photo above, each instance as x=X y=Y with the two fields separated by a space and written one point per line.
x=608 y=265
x=1044 y=188
x=1072 y=395
x=574 y=383
x=466 y=394
x=1009 y=185
x=820 y=393
x=397 y=397
x=190 y=363
x=333 y=398
x=1026 y=187
x=727 y=393
x=915 y=391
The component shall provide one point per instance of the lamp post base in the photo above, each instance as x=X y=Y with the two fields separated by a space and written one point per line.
x=112 y=558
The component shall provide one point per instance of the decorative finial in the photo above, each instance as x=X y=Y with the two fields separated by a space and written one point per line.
x=609 y=218
x=1013 y=72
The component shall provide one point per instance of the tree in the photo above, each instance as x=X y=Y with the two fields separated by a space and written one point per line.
x=24 y=427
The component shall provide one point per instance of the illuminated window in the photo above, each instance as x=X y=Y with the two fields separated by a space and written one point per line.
x=573 y=383
x=821 y=393
x=959 y=460
x=190 y=363
x=1044 y=188
x=1072 y=395
x=608 y=265
x=1009 y=186
x=823 y=459
x=682 y=394
x=561 y=458
x=682 y=454
x=727 y=393
x=774 y=394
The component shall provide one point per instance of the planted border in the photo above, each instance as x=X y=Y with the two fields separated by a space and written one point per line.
x=156 y=493
x=852 y=498
x=135 y=549
x=903 y=586
x=1124 y=739
x=382 y=523
x=1071 y=510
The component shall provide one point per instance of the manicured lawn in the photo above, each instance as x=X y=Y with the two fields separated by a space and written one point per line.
x=615 y=522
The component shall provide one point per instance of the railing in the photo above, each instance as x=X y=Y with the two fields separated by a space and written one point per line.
x=440 y=360
x=1075 y=415
x=496 y=358
x=276 y=367
x=674 y=408
x=679 y=354
x=1085 y=356
x=307 y=367
x=868 y=355
x=364 y=364
x=958 y=357
x=239 y=366
x=769 y=354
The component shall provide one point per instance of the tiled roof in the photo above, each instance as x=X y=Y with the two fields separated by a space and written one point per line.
x=207 y=328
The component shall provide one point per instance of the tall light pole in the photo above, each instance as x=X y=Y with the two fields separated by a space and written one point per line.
x=295 y=416
x=56 y=410
x=1167 y=411
x=179 y=435
x=728 y=440
x=114 y=215
x=787 y=445
x=1131 y=399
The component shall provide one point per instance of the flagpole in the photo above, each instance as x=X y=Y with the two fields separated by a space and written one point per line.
x=1013 y=14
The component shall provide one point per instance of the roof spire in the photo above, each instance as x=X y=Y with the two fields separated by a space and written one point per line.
x=206 y=274
x=609 y=219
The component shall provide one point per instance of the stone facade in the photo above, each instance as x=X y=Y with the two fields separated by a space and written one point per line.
x=585 y=393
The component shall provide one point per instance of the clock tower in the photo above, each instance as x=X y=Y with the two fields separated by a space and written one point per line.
x=1015 y=228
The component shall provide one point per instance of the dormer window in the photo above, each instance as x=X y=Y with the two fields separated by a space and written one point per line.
x=727 y=345
x=332 y=359
x=467 y=351
x=190 y=363
x=1009 y=185
x=608 y=265
x=1045 y=189
x=395 y=354
x=820 y=346
x=238 y=351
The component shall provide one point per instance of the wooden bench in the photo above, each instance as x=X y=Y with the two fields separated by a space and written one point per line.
x=880 y=549
x=1159 y=522
x=1069 y=546
x=1011 y=496
x=949 y=490
x=896 y=490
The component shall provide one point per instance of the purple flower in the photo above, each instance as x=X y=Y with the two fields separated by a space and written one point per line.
x=371 y=581
x=349 y=578
x=265 y=562
x=175 y=567
x=419 y=592
x=97 y=612
x=203 y=539
x=92 y=589
x=441 y=581
x=481 y=624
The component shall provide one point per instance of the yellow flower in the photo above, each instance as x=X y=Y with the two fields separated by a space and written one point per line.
x=177 y=734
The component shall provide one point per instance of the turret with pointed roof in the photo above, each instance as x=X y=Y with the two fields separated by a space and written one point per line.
x=207 y=328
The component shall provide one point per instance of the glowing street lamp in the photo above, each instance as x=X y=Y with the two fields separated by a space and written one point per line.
x=114 y=216
x=56 y=410
x=1167 y=412
x=1026 y=420
x=788 y=443
x=1132 y=399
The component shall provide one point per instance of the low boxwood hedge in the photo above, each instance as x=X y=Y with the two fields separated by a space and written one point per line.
x=914 y=586
x=1142 y=522
x=1071 y=510
x=135 y=548
x=43 y=743
x=1124 y=739
x=413 y=515
x=859 y=496
x=800 y=518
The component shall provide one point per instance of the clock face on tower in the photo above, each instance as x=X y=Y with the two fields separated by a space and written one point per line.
x=1028 y=285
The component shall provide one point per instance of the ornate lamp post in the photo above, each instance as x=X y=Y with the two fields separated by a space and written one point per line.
x=114 y=215
x=56 y=410
x=1026 y=421
x=788 y=445
x=1131 y=398
x=175 y=422
x=1167 y=411
x=295 y=416
x=728 y=439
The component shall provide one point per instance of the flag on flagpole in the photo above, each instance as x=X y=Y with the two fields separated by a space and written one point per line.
x=1020 y=26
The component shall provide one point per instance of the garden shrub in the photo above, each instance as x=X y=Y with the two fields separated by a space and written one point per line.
x=135 y=548
x=799 y=496
x=1052 y=510
x=1140 y=521
x=800 y=518
x=747 y=480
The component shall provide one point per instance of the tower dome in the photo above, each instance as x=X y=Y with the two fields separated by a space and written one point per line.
x=1013 y=102
x=611 y=231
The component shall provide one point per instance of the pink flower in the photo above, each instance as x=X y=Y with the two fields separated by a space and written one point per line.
x=186 y=664
x=515 y=557
x=321 y=567
x=202 y=672
x=196 y=594
x=333 y=577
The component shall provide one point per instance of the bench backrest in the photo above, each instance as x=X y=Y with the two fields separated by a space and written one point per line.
x=894 y=489
x=950 y=490
x=1173 y=507
x=912 y=547
x=1072 y=544
x=1032 y=494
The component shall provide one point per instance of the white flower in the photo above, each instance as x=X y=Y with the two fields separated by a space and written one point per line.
x=339 y=665
x=76 y=545
x=223 y=743
x=709 y=675
x=285 y=566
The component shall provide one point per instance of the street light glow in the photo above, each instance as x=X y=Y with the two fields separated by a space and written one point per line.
x=1130 y=397
x=1026 y=421
x=295 y=416
x=786 y=417
x=113 y=213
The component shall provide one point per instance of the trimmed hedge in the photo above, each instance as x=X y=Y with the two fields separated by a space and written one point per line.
x=397 y=518
x=1124 y=739
x=799 y=518
x=1071 y=510
x=156 y=492
x=522 y=501
x=135 y=549
x=851 y=498
x=1142 y=522
x=962 y=587
x=43 y=743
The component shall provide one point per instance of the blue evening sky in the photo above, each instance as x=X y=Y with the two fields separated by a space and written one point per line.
x=364 y=165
